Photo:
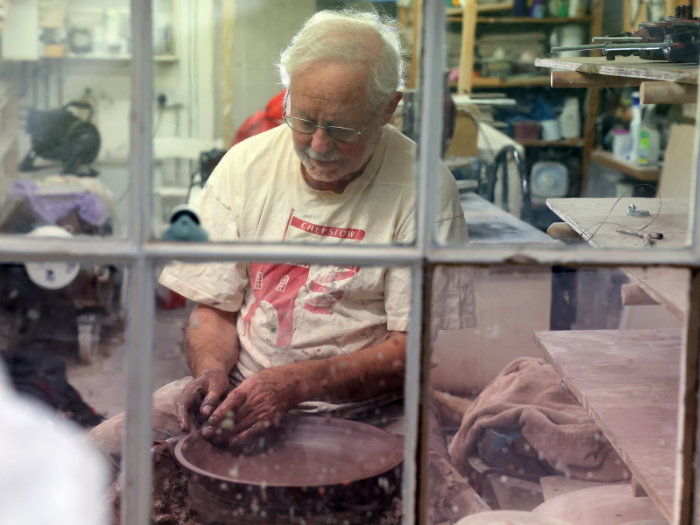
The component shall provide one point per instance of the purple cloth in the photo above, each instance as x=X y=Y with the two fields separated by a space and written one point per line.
x=54 y=208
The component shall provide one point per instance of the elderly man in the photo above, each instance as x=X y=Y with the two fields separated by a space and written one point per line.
x=265 y=339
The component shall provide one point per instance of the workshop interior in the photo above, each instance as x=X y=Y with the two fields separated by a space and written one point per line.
x=557 y=393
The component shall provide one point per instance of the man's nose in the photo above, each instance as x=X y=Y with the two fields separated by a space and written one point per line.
x=321 y=142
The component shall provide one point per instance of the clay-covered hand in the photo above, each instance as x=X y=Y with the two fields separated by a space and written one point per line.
x=259 y=402
x=204 y=393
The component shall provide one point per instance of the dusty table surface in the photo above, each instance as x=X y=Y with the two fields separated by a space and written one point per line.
x=668 y=286
x=628 y=381
x=633 y=67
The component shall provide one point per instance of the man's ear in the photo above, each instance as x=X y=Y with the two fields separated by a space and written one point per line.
x=391 y=106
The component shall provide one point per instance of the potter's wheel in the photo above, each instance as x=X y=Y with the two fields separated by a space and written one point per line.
x=309 y=469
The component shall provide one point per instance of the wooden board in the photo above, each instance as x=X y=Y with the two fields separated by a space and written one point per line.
x=643 y=173
x=633 y=67
x=667 y=286
x=553 y=486
x=584 y=216
x=628 y=381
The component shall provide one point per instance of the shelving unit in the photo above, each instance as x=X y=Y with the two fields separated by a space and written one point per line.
x=642 y=173
x=472 y=15
x=600 y=72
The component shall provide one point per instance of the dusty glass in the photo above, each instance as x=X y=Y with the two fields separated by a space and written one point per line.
x=563 y=399
x=64 y=124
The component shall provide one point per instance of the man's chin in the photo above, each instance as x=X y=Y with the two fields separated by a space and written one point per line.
x=325 y=176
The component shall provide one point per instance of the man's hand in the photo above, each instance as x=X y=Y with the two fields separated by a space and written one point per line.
x=260 y=401
x=210 y=385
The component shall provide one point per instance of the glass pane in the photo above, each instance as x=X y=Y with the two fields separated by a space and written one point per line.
x=302 y=367
x=562 y=399
x=61 y=389
x=589 y=166
x=64 y=116
x=338 y=170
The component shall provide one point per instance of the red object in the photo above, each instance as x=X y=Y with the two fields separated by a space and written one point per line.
x=262 y=120
x=170 y=300
x=526 y=130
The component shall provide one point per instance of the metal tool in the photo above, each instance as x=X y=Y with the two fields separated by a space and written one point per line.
x=647 y=237
x=632 y=211
x=676 y=39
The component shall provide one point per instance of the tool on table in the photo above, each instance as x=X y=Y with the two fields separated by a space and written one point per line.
x=676 y=39
x=632 y=211
x=647 y=237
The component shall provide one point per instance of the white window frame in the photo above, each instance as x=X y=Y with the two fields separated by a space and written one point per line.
x=141 y=255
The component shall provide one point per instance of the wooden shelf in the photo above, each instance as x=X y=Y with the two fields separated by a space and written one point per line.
x=643 y=173
x=628 y=381
x=631 y=67
x=586 y=216
x=457 y=11
x=530 y=20
x=564 y=143
x=116 y=58
x=495 y=82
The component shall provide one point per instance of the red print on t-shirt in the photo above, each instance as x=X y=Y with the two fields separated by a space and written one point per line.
x=352 y=234
x=279 y=285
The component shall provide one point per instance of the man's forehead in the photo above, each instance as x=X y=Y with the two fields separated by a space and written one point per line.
x=333 y=86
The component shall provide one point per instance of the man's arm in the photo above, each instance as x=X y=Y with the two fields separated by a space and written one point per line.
x=212 y=351
x=264 y=398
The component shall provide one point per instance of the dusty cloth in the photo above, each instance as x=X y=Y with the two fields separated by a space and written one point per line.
x=529 y=395
x=296 y=312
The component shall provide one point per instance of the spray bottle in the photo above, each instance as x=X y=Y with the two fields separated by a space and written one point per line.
x=635 y=127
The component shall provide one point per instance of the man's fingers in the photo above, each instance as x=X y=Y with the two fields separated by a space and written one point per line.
x=216 y=391
x=185 y=403
x=249 y=434
x=232 y=403
x=237 y=428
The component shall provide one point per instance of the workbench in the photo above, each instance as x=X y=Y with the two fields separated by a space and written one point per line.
x=668 y=286
x=628 y=381
x=489 y=224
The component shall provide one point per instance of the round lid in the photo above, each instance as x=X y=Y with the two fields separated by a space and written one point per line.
x=51 y=275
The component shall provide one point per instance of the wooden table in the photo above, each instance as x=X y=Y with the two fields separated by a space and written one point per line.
x=628 y=381
x=668 y=286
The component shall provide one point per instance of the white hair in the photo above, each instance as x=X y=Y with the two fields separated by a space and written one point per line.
x=348 y=36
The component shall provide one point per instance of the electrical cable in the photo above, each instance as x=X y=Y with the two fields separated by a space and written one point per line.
x=605 y=220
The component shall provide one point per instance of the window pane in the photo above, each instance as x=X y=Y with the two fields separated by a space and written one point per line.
x=62 y=362
x=307 y=375
x=596 y=165
x=563 y=398
x=221 y=92
x=64 y=116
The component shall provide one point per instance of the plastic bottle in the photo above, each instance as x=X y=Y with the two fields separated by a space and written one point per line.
x=649 y=143
x=570 y=119
x=635 y=127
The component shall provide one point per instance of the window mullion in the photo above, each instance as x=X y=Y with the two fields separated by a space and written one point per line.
x=137 y=462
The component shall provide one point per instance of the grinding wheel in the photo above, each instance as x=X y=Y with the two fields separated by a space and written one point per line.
x=509 y=517
x=609 y=505
x=307 y=470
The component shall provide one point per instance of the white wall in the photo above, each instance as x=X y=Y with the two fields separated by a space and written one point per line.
x=262 y=30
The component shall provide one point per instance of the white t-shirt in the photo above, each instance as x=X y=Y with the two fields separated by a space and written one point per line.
x=294 y=312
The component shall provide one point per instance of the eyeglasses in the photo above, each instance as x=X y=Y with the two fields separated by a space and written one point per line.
x=336 y=133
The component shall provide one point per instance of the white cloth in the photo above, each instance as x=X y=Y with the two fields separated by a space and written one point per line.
x=49 y=473
x=291 y=313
